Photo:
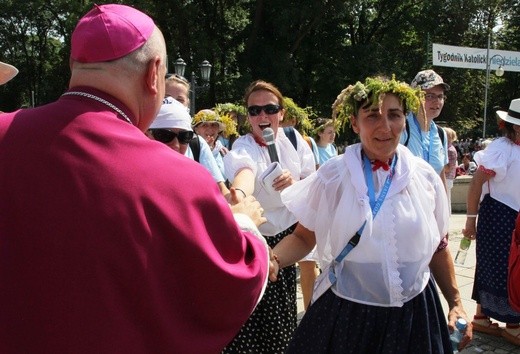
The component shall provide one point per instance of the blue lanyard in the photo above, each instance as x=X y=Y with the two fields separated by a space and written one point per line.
x=426 y=152
x=374 y=205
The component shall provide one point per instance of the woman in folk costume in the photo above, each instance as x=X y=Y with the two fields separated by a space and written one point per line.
x=493 y=203
x=378 y=215
x=251 y=170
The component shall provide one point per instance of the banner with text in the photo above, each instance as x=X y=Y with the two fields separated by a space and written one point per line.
x=474 y=58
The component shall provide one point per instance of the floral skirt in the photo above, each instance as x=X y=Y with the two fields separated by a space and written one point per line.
x=496 y=222
x=271 y=326
x=336 y=325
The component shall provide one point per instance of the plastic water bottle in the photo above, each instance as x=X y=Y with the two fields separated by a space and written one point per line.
x=460 y=258
x=458 y=333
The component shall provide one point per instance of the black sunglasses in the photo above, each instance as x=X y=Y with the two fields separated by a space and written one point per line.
x=166 y=136
x=268 y=109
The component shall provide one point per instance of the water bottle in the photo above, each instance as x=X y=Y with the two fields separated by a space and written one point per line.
x=460 y=258
x=458 y=333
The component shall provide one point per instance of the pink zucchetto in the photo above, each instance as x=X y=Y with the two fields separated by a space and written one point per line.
x=109 y=32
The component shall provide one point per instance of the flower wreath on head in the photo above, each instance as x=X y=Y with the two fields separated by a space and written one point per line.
x=372 y=91
x=226 y=108
x=319 y=123
x=299 y=114
x=227 y=124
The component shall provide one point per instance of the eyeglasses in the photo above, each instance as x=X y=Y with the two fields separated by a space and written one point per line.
x=432 y=97
x=268 y=109
x=166 y=136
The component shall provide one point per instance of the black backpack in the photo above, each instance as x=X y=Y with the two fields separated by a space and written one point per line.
x=195 y=147
x=289 y=132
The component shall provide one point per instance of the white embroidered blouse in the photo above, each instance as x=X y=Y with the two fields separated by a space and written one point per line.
x=390 y=264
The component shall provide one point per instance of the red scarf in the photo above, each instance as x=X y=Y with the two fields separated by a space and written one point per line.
x=259 y=141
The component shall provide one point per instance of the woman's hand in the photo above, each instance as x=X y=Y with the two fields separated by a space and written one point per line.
x=274 y=266
x=454 y=314
x=251 y=207
x=283 y=181
x=224 y=150
x=235 y=196
x=470 y=230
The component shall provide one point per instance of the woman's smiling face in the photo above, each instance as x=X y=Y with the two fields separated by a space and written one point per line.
x=380 y=127
x=264 y=120
x=209 y=131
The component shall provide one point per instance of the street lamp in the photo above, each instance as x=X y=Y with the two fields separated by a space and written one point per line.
x=205 y=73
x=499 y=72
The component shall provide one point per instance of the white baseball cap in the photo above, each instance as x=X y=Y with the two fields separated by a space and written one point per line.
x=172 y=115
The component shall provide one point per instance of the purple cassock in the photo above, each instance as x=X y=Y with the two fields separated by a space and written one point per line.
x=113 y=243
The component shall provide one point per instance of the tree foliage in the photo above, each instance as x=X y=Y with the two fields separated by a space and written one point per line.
x=311 y=49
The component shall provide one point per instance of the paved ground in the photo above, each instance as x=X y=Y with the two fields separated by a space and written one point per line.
x=482 y=343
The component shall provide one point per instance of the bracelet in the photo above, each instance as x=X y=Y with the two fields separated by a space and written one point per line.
x=471 y=215
x=244 y=193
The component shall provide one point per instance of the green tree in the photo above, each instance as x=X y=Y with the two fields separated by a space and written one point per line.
x=311 y=49
x=34 y=36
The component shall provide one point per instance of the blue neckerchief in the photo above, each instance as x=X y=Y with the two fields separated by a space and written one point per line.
x=374 y=205
x=426 y=152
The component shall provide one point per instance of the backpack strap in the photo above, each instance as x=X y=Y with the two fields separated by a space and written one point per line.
x=407 y=128
x=195 y=147
x=289 y=132
x=441 y=132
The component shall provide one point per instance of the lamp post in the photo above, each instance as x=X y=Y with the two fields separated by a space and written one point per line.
x=205 y=73
x=498 y=72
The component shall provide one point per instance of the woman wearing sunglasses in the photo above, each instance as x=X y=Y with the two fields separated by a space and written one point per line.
x=172 y=127
x=271 y=325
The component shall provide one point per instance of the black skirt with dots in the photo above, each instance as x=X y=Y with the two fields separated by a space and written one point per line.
x=496 y=222
x=335 y=325
x=272 y=323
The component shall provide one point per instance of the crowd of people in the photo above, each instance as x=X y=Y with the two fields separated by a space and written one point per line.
x=149 y=206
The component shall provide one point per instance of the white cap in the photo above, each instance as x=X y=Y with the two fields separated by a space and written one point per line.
x=172 y=115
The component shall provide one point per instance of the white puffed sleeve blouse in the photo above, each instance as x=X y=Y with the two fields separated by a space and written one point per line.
x=503 y=157
x=390 y=264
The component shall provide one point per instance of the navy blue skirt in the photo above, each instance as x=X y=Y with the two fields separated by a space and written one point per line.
x=335 y=325
x=496 y=222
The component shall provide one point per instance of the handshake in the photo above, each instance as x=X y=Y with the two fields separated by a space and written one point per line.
x=248 y=206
